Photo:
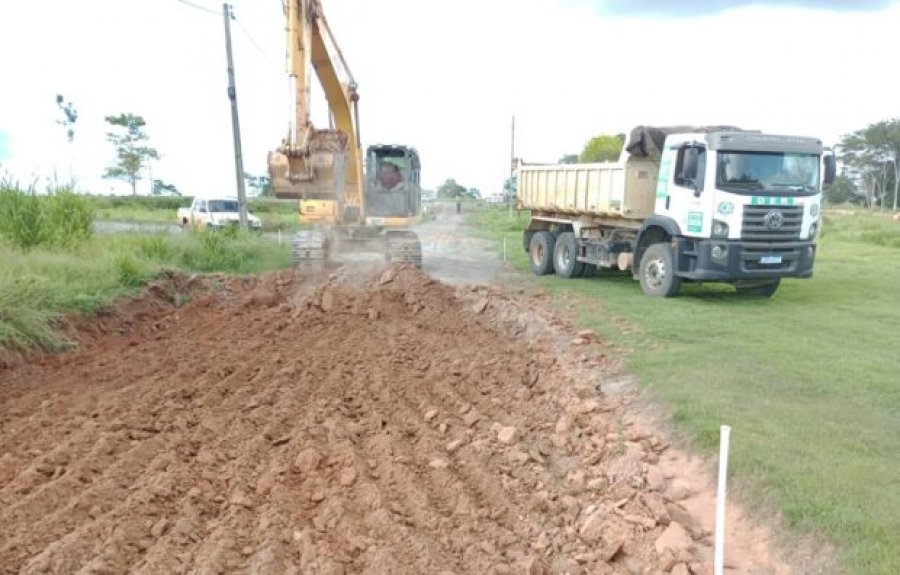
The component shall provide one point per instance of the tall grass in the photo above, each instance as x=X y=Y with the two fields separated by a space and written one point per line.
x=58 y=218
x=42 y=282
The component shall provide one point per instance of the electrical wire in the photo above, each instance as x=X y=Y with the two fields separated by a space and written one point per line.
x=256 y=45
x=198 y=7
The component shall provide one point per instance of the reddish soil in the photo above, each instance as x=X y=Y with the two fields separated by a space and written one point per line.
x=387 y=425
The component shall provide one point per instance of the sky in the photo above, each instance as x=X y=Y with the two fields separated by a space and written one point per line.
x=444 y=77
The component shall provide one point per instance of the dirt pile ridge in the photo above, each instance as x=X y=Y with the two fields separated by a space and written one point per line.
x=281 y=426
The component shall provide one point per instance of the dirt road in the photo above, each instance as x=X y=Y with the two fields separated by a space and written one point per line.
x=381 y=424
x=452 y=252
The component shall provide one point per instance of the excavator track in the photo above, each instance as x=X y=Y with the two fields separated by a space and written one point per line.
x=310 y=250
x=404 y=247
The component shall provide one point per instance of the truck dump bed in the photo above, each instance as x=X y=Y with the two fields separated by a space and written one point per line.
x=624 y=190
x=608 y=190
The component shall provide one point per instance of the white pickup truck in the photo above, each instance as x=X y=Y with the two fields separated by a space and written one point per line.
x=215 y=213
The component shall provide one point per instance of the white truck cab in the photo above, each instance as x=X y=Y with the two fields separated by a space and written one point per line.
x=215 y=213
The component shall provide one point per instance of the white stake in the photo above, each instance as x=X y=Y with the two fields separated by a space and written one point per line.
x=724 y=439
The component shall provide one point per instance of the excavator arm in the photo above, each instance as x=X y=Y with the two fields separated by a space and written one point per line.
x=321 y=167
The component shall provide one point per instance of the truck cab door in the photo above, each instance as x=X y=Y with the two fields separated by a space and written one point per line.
x=680 y=193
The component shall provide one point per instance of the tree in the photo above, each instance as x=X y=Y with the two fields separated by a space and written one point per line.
x=510 y=186
x=70 y=116
x=160 y=188
x=602 y=148
x=569 y=159
x=451 y=190
x=873 y=155
x=131 y=154
x=840 y=191
x=262 y=185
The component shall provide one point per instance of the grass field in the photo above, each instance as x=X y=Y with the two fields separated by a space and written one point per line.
x=38 y=284
x=809 y=380
x=274 y=214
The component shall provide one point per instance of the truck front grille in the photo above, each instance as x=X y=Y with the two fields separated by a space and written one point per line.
x=772 y=223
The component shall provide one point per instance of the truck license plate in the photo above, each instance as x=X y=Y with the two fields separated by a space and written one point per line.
x=770 y=260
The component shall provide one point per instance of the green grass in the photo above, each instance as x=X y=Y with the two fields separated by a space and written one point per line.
x=809 y=380
x=39 y=284
x=274 y=214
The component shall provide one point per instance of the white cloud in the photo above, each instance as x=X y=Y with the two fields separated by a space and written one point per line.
x=444 y=77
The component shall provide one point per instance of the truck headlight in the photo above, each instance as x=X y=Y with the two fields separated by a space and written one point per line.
x=719 y=229
x=813 y=230
x=814 y=210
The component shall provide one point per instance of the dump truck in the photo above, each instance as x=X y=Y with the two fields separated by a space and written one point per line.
x=682 y=204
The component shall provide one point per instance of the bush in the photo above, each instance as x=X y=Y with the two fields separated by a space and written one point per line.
x=155 y=248
x=60 y=218
x=128 y=271
x=216 y=252
x=22 y=217
x=70 y=217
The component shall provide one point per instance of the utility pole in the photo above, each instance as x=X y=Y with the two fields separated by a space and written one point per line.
x=235 y=125
x=512 y=162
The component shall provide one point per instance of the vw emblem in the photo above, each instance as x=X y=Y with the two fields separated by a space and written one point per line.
x=774 y=220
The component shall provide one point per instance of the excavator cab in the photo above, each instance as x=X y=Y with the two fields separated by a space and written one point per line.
x=393 y=192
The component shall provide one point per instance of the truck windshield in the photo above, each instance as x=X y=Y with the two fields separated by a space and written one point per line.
x=223 y=206
x=775 y=172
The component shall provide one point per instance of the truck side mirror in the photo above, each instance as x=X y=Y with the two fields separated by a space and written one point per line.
x=830 y=169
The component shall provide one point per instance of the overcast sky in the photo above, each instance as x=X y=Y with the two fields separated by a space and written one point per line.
x=445 y=77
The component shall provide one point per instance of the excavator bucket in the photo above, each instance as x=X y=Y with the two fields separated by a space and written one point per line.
x=317 y=174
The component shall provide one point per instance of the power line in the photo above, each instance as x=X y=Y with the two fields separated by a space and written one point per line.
x=255 y=45
x=198 y=7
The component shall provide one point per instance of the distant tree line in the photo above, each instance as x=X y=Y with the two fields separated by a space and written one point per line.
x=870 y=160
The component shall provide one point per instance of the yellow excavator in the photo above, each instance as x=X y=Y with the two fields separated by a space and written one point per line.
x=351 y=203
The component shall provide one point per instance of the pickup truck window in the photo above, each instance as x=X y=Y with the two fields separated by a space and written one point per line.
x=223 y=205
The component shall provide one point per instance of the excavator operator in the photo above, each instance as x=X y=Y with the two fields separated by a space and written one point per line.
x=389 y=176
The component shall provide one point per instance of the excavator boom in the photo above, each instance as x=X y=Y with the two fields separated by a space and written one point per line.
x=322 y=166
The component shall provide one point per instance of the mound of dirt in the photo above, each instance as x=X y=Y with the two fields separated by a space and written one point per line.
x=277 y=426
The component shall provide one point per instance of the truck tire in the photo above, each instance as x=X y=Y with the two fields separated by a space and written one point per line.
x=565 y=253
x=767 y=289
x=541 y=252
x=657 y=272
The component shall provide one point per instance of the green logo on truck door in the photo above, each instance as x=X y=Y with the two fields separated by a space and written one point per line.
x=695 y=222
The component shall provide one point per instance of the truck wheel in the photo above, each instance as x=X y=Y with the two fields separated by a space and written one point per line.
x=657 y=272
x=541 y=252
x=767 y=289
x=564 y=253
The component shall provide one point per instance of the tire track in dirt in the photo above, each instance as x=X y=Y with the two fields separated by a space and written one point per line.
x=287 y=426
